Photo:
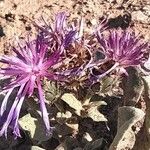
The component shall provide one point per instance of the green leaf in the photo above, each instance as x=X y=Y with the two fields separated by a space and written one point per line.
x=35 y=128
x=94 y=113
x=125 y=137
x=133 y=87
x=71 y=100
x=52 y=91
x=143 y=140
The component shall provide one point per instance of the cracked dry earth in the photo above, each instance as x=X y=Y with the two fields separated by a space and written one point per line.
x=16 y=18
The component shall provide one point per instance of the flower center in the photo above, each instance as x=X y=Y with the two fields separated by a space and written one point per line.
x=35 y=70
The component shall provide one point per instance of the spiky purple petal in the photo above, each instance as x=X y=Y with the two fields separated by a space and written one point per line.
x=26 y=70
x=122 y=47
x=58 y=32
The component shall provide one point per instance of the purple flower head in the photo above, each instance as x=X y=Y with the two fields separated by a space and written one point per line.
x=26 y=70
x=59 y=33
x=67 y=37
x=123 y=48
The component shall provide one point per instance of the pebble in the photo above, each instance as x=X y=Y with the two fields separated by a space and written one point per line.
x=119 y=2
x=147 y=10
x=110 y=1
x=140 y=16
x=94 y=22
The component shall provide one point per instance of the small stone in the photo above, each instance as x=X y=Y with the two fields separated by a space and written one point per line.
x=94 y=21
x=119 y=2
x=147 y=10
x=139 y=16
x=110 y=1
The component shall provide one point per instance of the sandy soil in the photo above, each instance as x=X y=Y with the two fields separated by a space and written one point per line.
x=16 y=15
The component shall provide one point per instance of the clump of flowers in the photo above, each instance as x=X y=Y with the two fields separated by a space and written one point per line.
x=122 y=49
x=59 y=51
x=26 y=70
x=59 y=33
x=70 y=38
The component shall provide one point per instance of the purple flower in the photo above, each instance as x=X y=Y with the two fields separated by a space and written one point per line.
x=68 y=37
x=26 y=70
x=59 y=33
x=123 y=48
